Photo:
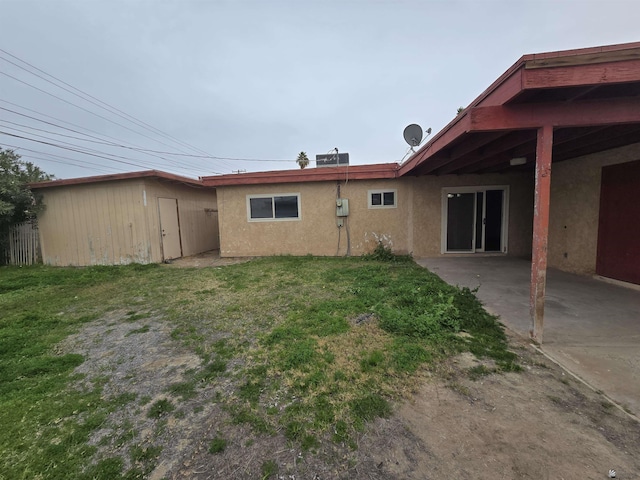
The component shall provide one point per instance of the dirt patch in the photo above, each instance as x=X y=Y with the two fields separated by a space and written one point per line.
x=138 y=361
x=204 y=260
x=536 y=424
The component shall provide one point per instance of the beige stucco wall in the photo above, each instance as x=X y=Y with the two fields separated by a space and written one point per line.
x=416 y=225
x=413 y=227
x=575 y=206
x=198 y=228
x=316 y=231
x=117 y=222
x=427 y=210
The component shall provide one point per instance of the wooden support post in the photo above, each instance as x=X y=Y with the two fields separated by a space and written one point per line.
x=540 y=230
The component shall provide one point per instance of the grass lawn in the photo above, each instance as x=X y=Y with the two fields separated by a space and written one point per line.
x=313 y=348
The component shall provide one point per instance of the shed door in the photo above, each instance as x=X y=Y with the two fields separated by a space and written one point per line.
x=170 y=226
x=619 y=223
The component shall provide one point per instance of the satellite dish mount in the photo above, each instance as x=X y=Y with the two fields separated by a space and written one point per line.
x=413 y=135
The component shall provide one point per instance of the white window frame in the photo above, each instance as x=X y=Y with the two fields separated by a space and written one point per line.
x=474 y=189
x=382 y=191
x=273 y=207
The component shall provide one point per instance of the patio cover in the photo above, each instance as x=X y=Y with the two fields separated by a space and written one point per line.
x=546 y=108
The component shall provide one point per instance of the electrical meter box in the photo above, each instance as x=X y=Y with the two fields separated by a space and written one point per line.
x=342 y=207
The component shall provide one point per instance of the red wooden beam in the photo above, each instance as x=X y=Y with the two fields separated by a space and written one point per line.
x=474 y=143
x=540 y=231
x=520 y=143
x=576 y=114
x=578 y=75
x=505 y=89
x=604 y=139
x=507 y=142
x=560 y=54
x=462 y=149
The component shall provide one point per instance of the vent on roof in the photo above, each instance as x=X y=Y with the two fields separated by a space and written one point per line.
x=332 y=159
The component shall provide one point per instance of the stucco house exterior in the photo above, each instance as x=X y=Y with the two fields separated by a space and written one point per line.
x=545 y=164
x=482 y=185
x=137 y=217
x=404 y=213
x=471 y=188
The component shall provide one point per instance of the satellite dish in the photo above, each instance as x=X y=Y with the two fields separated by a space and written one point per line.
x=413 y=135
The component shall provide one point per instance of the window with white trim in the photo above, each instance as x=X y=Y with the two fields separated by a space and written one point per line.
x=383 y=198
x=273 y=207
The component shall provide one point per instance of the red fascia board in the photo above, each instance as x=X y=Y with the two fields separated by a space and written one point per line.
x=115 y=177
x=322 y=174
x=577 y=114
x=581 y=51
x=578 y=75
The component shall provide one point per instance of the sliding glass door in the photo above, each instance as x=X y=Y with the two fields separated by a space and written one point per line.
x=474 y=219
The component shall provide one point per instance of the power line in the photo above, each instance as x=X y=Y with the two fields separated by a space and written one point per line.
x=90 y=96
x=135 y=148
x=95 y=167
x=69 y=161
x=84 y=109
x=114 y=111
x=104 y=105
x=59 y=120
x=101 y=142
x=101 y=137
x=180 y=165
x=76 y=150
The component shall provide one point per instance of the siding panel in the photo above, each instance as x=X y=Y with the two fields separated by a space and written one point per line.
x=94 y=224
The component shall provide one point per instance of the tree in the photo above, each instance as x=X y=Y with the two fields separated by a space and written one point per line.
x=17 y=201
x=303 y=160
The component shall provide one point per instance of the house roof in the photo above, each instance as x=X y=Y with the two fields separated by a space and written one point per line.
x=351 y=172
x=118 y=176
x=590 y=96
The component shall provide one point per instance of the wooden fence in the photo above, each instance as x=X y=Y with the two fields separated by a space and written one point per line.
x=24 y=244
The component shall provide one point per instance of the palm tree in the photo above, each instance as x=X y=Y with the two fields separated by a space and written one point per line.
x=303 y=160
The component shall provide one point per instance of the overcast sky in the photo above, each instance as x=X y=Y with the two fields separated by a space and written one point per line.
x=263 y=79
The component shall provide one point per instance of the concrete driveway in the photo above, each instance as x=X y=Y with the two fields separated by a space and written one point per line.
x=591 y=328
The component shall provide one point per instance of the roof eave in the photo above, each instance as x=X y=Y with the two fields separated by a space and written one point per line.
x=117 y=177
x=322 y=174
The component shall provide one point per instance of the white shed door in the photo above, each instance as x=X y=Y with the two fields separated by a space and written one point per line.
x=170 y=226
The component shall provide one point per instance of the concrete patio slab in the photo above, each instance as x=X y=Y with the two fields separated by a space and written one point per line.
x=592 y=328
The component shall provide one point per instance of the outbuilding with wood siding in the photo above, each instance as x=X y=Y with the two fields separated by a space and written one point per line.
x=137 y=217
